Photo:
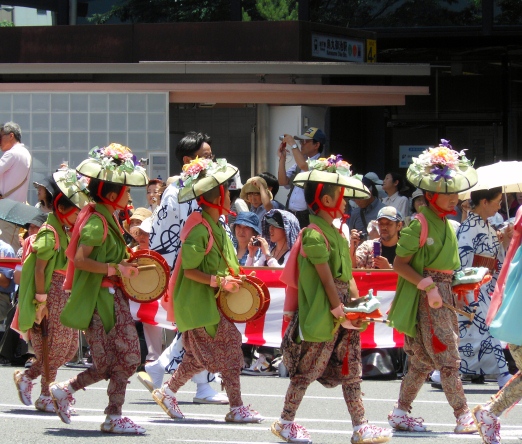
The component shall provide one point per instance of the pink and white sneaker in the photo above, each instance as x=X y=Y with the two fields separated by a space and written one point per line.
x=243 y=414
x=24 y=384
x=487 y=423
x=291 y=432
x=121 y=425
x=45 y=404
x=166 y=399
x=62 y=400
x=369 y=434
x=465 y=424
x=400 y=420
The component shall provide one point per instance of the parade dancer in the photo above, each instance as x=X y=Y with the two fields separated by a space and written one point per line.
x=427 y=255
x=319 y=276
x=207 y=264
x=504 y=323
x=97 y=305
x=41 y=294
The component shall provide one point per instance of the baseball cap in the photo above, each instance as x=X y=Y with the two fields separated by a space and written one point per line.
x=38 y=220
x=146 y=225
x=390 y=213
x=276 y=220
x=417 y=193
x=235 y=183
x=313 y=133
x=373 y=177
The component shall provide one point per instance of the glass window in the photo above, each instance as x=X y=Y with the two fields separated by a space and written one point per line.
x=79 y=102
x=60 y=102
x=98 y=122
x=21 y=102
x=118 y=102
x=59 y=141
x=40 y=122
x=80 y=141
x=98 y=102
x=137 y=122
x=137 y=103
x=59 y=121
x=79 y=121
x=40 y=102
x=155 y=122
x=118 y=121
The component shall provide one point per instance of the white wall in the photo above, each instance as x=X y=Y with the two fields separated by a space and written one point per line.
x=31 y=17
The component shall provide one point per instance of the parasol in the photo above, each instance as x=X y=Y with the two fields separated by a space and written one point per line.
x=17 y=213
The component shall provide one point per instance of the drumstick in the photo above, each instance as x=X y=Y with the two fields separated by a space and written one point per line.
x=383 y=321
x=146 y=267
x=470 y=316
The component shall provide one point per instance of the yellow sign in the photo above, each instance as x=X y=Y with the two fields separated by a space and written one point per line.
x=371 y=51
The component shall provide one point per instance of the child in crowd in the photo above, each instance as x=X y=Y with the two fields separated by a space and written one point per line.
x=314 y=347
x=207 y=264
x=427 y=255
x=97 y=256
x=41 y=294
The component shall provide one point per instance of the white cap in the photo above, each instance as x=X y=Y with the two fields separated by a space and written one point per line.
x=146 y=225
x=373 y=177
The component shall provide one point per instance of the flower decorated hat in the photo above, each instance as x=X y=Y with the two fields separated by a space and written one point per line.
x=72 y=187
x=333 y=170
x=202 y=175
x=114 y=163
x=442 y=170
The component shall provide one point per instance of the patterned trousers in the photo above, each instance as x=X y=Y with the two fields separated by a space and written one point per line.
x=219 y=354
x=511 y=393
x=62 y=341
x=115 y=354
x=323 y=362
x=433 y=324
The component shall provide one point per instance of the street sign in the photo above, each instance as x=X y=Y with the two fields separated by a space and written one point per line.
x=407 y=152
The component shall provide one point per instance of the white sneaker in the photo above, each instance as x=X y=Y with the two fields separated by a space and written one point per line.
x=121 y=425
x=62 y=400
x=260 y=367
x=370 y=434
x=24 y=384
x=435 y=377
x=465 y=424
x=503 y=380
x=45 y=404
x=291 y=432
x=400 y=420
x=487 y=423
x=166 y=399
x=243 y=414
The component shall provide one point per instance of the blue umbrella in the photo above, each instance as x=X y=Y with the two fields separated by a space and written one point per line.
x=16 y=212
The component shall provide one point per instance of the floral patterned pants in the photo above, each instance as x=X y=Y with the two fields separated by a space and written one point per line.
x=115 y=354
x=219 y=354
x=62 y=341
x=434 y=324
x=511 y=393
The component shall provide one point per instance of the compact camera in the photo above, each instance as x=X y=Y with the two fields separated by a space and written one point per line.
x=256 y=243
x=281 y=137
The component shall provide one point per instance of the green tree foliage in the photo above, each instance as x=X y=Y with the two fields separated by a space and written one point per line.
x=277 y=10
x=6 y=24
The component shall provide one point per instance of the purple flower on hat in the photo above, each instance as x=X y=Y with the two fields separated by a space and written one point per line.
x=441 y=173
x=445 y=143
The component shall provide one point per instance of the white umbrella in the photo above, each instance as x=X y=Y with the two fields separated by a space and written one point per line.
x=507 y=175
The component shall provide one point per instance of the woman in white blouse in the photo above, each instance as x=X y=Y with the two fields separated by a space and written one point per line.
x=280 y=231
x=392 y=184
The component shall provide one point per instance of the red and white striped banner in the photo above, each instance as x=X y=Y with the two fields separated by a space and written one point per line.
x=268 y=330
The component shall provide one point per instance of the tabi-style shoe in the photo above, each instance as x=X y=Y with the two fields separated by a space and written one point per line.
x=400 y=420
x=45 y=404
x=243 y=414
x=24 y=384
x=465 y=424
x=121 y=425
x=369 y=434
x=166 y=399
x=487 y=423
x=291 y=432
x=62 y=400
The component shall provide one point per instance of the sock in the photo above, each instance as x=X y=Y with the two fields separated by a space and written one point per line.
x=284 y=421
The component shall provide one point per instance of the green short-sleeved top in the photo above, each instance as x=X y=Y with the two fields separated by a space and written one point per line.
x=195 y=303
x=440 y=252
x=87 y=294
x=43 y=248
x=315 y=320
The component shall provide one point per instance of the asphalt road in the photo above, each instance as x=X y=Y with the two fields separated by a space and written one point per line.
x=322 y=412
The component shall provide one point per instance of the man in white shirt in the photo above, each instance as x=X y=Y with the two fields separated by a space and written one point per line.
x=15 y=168
x=312 y=143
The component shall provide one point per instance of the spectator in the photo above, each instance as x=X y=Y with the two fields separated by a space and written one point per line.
x=281 y=228
x=390 y=223
x=44 y=196
x=245 y=228
x=378 y=184
x=312 y=144
x=237 y=205
x=366 y=211
x=153 y=193
x=273 y=187
x=15 y=168
x=135 y=220
x=393 y=185
x=142 y=233
x=512 y=203
x=31 y=228
x=417 y=200
x=256 y=193
x=7 y=285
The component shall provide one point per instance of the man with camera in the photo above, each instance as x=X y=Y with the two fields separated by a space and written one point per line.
x=365 y=212
x=312 y=144
x=379 y=253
